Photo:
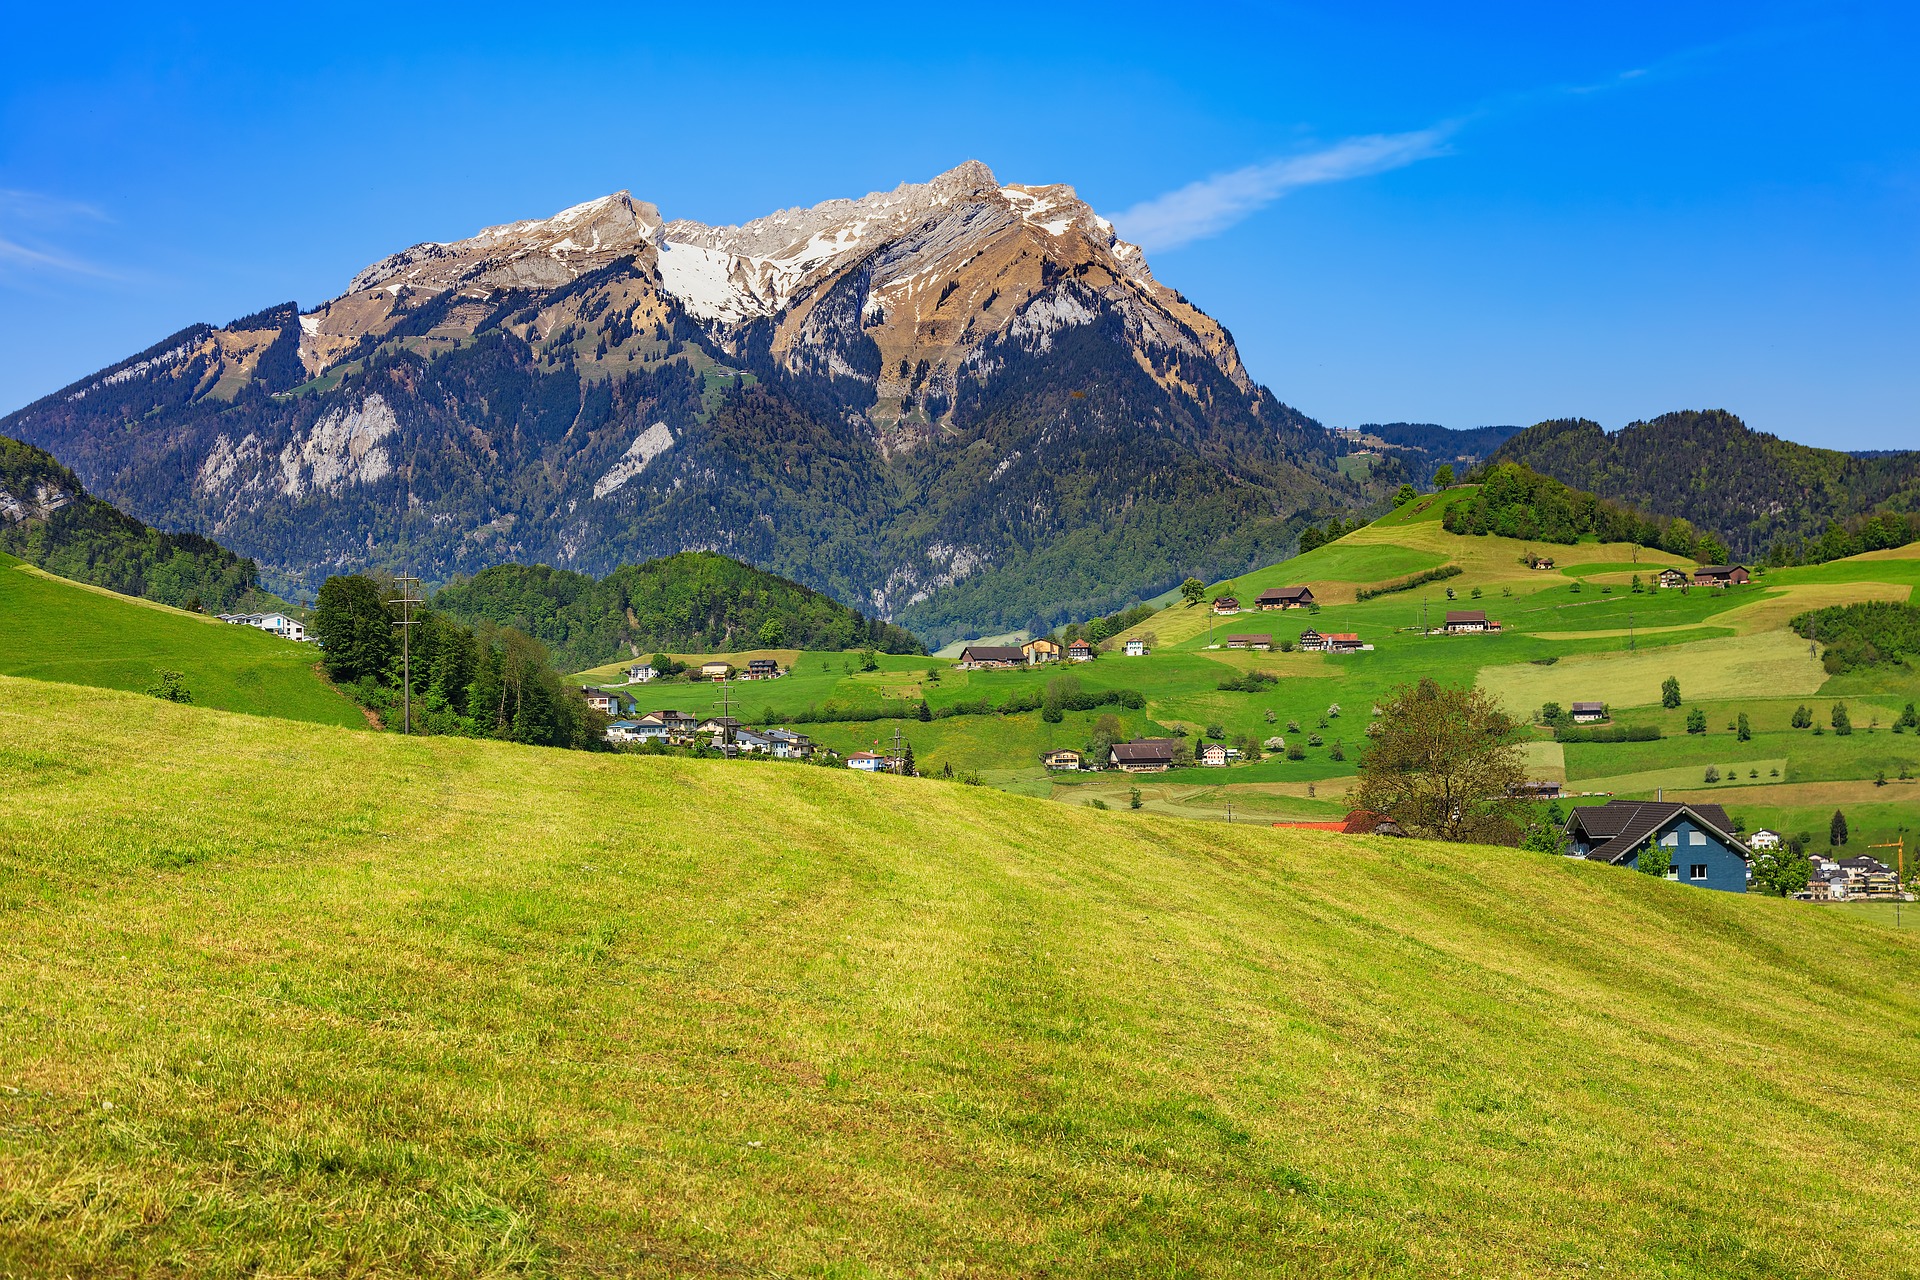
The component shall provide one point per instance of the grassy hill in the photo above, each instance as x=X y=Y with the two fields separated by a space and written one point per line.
x=53 y=629
x=444 y=1007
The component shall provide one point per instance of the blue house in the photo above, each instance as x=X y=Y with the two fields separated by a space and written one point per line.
x=1698 y=839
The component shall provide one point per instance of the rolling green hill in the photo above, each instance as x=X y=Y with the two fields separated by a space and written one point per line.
x=696 y=601
x=53 y=629
x=445 y=1007
x=48 y=519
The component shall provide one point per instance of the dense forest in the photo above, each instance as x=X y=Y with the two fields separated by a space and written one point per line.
x=693 y=602
x=1516 y=502
x=1753 y=489
x=487 y=681
x=49 y=520
x=1876 y=633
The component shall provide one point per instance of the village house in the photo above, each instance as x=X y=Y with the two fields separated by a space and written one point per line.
x=1261 y=642
x=1079 y=651
x=1136 y=649
x=1541 y=789
x=278 y=624
x=1764 y=838
x=1675 y=578
x=982 y=657
x=641 y=673
x=1212 y=754
x=1063 y=758
x=867 y=762
x=1589 y=712
x=623 y=731
x=1468 y=622
x=749 y=740
x=1540 y=562
x=666 y=726
x=1284 y=598
x=1225 y=605
x=605 y=701
x=721 y=727
x=1311 y=639
x=1342 y=642
x=787 y=745
x=1721 y=575
x=1142 y=755
x=1698 y=840
x=762 y=669
x=715 y=670
x=1039 y=650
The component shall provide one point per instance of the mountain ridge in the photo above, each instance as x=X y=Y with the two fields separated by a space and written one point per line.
x=938 y=404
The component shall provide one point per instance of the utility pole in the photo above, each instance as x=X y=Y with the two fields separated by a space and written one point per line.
x=899 y=759
x=406 y=624
x=1900 y=882
x=1629 y=631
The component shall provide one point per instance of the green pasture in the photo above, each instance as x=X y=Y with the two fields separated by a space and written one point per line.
x=53 y=629
x=285 y=999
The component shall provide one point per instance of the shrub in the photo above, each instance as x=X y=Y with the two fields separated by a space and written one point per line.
x=1713 y=774
x=1696 y=721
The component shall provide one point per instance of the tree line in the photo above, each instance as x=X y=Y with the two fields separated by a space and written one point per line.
x=486 y=681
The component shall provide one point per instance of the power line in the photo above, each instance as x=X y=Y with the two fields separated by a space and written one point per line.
x=406 y=624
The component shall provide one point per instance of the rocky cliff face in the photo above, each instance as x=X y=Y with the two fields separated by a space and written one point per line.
x=957 y=403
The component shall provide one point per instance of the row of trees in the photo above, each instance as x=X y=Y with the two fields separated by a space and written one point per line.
x=487 y=681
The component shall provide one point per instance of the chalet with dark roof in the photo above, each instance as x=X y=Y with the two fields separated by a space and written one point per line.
x=1261 y=642
x=1721 y=575
x=1698 y=840
x=1226 y=604
x=1285 y=598
x=1589 y=712
x=1675 y=578
x=1142 y=755
x=1468 y=621
x=979 y=657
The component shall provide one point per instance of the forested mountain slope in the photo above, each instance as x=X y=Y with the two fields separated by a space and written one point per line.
x=693 y=602
x=958 y=405
x=1752 y=488
x=49 y=520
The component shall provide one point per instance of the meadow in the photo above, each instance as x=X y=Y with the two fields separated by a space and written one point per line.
x=288 y=999
x=54 y=629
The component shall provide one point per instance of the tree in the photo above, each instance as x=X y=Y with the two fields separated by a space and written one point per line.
x=1406 y=493
x=925 y=713
x=1710 y=549
x=1443 y=478
x=1841 y=725
x=1133 y=797
x=906 y=761
x=773 y=633
x=1670 y=692
x=869 y=660
x=1654 y=860
x=1743 y=731
x=1802 y=718
x=355 y=631
x=168 y=687
x=1445 y=764
x=1544 y=837
x=1192 y=591
x=1713 y=774
x=1696 y=721
x=1837 y=829
x=1782 y=872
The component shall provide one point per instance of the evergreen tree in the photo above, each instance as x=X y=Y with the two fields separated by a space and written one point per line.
x=1837 y=829
x=1802 y=717
x=355 y=631
x=1743 y=731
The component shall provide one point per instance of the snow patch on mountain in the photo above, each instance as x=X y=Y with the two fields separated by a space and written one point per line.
x=646 y=446
x=341 y=450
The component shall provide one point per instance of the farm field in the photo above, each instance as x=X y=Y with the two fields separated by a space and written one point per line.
x=54 y=629
x=1565 y=637
x=373 y=1005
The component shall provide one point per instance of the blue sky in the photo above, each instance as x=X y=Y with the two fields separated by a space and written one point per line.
x=1462 y=214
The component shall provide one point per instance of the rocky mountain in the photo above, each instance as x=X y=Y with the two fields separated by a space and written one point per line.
x=1752 y=488
x=962 y=405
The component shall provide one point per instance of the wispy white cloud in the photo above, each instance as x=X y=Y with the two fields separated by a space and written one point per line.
x=28 y=218
x=1210 y=206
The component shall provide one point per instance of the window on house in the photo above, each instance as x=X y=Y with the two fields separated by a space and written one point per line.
x=1697 y=837
x=1699 y=871
x=1671 y=839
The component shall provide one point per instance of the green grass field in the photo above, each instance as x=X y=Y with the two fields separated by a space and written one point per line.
x=284 y=999
x=53 y=629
